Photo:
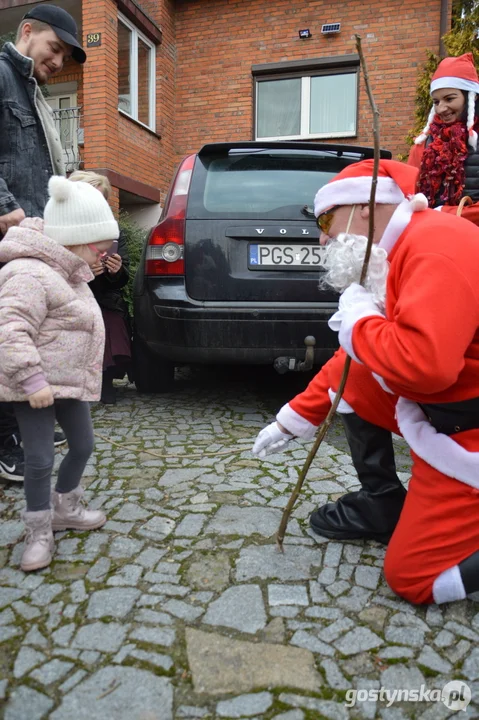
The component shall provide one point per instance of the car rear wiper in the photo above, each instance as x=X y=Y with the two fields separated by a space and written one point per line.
x=309 y=212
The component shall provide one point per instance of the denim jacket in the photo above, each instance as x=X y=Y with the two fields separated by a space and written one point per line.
x=26 y=162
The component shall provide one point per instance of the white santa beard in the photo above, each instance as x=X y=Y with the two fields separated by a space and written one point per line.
x=343 y=262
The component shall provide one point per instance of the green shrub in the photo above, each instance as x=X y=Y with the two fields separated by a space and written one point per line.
x=135 y=237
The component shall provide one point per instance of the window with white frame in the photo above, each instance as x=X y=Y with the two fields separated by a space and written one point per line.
x=309 y=103
x=136 y=74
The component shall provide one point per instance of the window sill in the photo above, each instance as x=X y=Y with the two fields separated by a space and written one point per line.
x=306 y=138
x=140 y=124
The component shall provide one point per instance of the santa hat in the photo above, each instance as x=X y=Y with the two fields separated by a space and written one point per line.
x=460 y=73
x=352 y=186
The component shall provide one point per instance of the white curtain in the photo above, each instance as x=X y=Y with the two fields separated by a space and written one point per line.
x=279 y=106
x=333 y=103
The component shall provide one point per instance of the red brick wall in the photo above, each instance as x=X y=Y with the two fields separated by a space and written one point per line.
x=219 y=40
x=204 y=86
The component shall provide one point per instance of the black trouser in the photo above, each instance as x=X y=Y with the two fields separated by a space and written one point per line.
x=8 y=424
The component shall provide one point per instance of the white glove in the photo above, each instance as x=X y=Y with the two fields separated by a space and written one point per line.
x=270 y=440
x=354 y=304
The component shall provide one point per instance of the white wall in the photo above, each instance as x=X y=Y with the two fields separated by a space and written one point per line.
x=145 y=215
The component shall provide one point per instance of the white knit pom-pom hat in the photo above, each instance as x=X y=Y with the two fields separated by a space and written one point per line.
x=459 y=73
x=77 y=214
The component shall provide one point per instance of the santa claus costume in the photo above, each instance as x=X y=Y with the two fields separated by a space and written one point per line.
x=446 y=152
x=415 y=372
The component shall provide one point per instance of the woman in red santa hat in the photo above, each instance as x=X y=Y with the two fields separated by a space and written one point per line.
x=413 y=335
x=446 y=152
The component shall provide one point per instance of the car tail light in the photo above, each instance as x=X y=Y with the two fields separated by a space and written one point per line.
x=166 y=244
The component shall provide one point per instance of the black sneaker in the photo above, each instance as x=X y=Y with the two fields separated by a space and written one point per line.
x=59 y=438
x=12 y=461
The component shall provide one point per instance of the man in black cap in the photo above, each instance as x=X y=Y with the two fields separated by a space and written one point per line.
x=30 y=148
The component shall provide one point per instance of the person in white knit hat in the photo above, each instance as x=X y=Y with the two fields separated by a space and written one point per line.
x=51 y=351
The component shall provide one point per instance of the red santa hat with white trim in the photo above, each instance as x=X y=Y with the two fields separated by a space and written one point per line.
x=459 y=73
x=352 y=186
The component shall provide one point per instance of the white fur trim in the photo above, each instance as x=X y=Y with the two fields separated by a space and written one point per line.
x=356 y=191
x=454 y=82
x=396 y=226
x=382 y=383
x=349 y=320
x=440 y=451
x=419 y=203
x=295 y=423
x=448 y=586
x=343 y=408
x=420 y=139
x=473 y=139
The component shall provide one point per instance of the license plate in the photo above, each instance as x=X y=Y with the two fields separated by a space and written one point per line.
x=302 y=257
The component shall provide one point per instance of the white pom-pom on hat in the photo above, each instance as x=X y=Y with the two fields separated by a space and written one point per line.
x=77 y=214
x=418 y=203
x=59 y=188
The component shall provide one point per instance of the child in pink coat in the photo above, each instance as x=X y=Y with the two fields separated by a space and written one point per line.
x=51 y=350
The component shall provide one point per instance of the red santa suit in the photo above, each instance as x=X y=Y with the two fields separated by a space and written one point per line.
x=422 y=348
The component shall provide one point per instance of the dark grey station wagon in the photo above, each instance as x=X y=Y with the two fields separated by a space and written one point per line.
x=230 y=273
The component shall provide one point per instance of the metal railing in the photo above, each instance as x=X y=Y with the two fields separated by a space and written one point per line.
x=68 y=122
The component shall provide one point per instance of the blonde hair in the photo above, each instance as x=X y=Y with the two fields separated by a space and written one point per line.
x=100 y=182
x=38 y=26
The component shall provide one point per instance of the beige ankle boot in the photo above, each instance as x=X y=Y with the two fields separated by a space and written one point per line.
x=39 y=545
x=69 y=513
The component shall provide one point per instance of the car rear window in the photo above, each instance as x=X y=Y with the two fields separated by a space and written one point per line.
x=266 y=183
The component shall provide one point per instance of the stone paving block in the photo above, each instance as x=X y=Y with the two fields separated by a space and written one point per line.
x=233 y=520
x=116 y=602
x=183 y=610
x=124 y=547
x=34 y=637
x=245 y=705
x=104 y=637
x=154 y=636
x=158 y=528
x=122 y=693
x=239 y=607
x=221 y=665
x=266 y=562
x=27 y=703
x=287 y=595
x=26 y=660
x=358 y=640
x=8 y=595
x=7 y=617
x=190 y=526
x=303 y=639
x=325 y=708
x=51 y=672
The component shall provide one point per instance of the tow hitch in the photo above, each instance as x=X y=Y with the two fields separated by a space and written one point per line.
x=286 y=364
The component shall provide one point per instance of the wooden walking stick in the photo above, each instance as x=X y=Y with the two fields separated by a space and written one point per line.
x=372 y=199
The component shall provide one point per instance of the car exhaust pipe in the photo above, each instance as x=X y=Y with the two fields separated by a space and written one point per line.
x=286 y=364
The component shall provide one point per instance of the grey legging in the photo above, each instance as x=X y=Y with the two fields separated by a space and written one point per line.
x=37 y=427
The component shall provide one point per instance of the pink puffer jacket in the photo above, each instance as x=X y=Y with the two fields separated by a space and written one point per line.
x=50 y=324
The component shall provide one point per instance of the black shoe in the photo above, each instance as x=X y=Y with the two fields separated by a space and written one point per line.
x=108 y=390
x=59 y=438
x=12 y=461
x=373 y=512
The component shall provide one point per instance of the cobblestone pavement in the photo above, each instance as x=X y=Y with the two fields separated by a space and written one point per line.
x=181 y=606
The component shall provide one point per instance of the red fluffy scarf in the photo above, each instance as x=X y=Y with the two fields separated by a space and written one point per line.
x=442 y=174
